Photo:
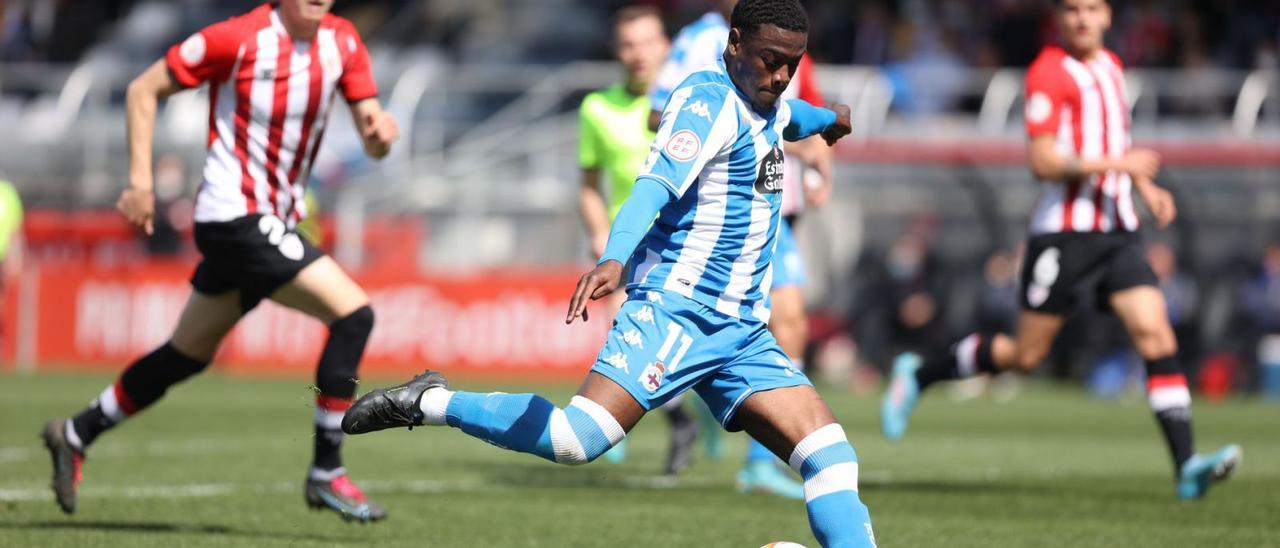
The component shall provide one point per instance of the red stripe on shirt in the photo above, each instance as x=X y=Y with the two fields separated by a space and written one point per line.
x=308 y=120
x=1077 y=141
x=244 y=110
x=275 y=130
x=1105 y=177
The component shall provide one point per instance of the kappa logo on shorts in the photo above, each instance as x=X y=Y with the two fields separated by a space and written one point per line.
x=652 y=375
x=619 y=361
x=645 y=315
x=633 y=338
x=788 y=368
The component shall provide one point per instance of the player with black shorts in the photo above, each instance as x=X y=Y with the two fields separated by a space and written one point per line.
x=1084 y=244
x=272 y=74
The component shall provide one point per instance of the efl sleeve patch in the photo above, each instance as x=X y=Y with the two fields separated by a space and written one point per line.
x=192 y=50
x=1039 y=108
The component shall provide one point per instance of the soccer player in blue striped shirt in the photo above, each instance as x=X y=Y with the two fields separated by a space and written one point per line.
x=697 y=312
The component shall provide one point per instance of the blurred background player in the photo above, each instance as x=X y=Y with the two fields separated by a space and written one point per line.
x=11 y=242
x=273 y=74
x=613 y=141
x=1083 y=244
x=698 y=306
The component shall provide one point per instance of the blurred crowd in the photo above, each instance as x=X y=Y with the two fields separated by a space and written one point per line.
x=993 y=33
x=1239 y=34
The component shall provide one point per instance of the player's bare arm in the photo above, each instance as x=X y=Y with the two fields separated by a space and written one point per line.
x=1047 y=164
x=597 y=284
x=814 y=152
x=137 y=203
x=648 y=197
x=378 y=129
x=595 y=215
x=655 y=119
x=842 y=127
x=1159 y=200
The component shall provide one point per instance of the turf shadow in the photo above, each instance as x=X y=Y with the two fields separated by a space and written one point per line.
x=172 y=528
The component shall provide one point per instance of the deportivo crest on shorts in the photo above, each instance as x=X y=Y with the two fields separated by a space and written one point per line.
x=652 y=375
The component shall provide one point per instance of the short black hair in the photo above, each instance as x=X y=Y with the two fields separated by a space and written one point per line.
x=750 y=15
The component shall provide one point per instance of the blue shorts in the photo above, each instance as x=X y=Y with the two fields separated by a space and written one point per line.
x=663 y=344
x=788 y=264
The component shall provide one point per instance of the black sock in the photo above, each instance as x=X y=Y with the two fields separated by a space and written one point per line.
x=970 y=356
x=1171 y=401
x=336 y=381
x=141 y=385
x=329 y=436
x=88 y=424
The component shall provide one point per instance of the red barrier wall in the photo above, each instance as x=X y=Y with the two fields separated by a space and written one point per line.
x=494 y=324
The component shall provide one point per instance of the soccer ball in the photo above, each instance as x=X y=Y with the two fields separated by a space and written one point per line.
x=782 y=544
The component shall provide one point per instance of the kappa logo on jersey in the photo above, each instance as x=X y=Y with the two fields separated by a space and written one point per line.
x=699 y=108
x=684 y=145
x=654 y=297
x=652 y=375
x=770 y=179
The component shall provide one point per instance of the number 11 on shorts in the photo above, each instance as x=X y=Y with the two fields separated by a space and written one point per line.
x=674 y=331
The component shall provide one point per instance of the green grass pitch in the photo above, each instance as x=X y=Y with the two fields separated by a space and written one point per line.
x=220 y=461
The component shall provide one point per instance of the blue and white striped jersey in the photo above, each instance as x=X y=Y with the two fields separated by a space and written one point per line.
x=714 y=242
x=698 y=46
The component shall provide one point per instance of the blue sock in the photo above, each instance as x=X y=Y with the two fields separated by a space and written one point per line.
x=829 y=467
x=530 y=424
x=757 y=452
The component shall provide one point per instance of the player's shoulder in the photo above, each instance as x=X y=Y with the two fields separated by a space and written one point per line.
x=338 y=23
x=711 y=22
x=1049 y=70
x=250 y=21
x=1048 y=61
x=707 y=83
x=1110 y=56
x=595 y=101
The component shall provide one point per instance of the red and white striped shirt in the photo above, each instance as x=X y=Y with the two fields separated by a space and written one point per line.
x=269 y=98
x=1084 y=104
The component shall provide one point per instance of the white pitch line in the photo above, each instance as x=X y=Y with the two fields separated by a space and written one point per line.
x=413 y=487
x=206 y=490
x=149 y=449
